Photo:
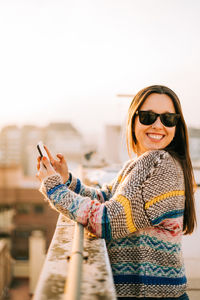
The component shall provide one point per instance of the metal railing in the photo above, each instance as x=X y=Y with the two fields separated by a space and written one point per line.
x=73 y=284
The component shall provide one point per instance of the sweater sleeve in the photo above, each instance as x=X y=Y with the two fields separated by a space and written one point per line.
x=101 y=194
x=129 y=208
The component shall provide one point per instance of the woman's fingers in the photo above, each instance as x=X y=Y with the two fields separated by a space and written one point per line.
x=49 y=168
x=61 y=157
x=46 y=162
x=38 y=162
x=49 y=154
x=44 y=167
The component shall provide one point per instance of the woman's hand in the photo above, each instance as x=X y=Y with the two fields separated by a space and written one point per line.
x=60 y=165
x=45 y=168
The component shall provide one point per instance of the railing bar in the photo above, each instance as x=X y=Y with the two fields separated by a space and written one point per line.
x=73 y=283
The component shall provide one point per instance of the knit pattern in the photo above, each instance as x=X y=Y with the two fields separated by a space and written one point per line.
x=140 y=214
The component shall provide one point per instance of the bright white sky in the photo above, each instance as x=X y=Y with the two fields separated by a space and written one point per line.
x=66 y=60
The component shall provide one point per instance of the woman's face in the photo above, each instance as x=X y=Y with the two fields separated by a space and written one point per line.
x=155 y=136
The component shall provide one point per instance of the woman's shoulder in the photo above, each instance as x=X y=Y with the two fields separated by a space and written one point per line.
x=154 y=157
x=153 y=167
x=147 y=160
x=147 y=156
x=160 y=156
x=143 y=165
x=160 y=159
x=160 y=153
x=151 y=161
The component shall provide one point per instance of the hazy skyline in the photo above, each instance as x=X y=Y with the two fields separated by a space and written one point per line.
x=68 y=60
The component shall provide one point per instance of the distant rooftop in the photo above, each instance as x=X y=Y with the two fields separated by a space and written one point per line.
x=62 y=126
x=9 y=127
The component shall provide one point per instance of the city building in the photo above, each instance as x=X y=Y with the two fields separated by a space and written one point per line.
x=23 y=212
x=114 y=144
x=31 y=212
x=10 y=146
x=30 y=136
x=18 y=145
x=64 y=138
x=194 y=142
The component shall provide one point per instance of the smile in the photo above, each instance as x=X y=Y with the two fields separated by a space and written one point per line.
x=156 y=137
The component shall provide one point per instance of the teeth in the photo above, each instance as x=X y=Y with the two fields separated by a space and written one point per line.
x=155 y=136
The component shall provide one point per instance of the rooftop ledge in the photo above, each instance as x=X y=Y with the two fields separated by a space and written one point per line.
x=96 y=281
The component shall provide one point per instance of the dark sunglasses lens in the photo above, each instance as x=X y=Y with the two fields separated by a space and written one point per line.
x=169 y=120
x=147 y=117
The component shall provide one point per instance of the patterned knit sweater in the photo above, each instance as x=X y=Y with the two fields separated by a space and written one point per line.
x=140 y=215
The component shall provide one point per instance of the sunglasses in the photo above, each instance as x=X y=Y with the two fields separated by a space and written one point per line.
x=149 y=117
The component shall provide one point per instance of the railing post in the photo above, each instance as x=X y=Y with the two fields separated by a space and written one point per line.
x=73 y=283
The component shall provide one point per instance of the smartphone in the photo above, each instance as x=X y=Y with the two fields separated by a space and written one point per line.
x=41 y=150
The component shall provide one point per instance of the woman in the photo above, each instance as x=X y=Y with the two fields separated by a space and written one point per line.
x=143 y=213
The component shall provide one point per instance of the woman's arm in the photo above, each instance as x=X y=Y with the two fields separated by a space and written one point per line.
x=101 y=194
x=74 y=184
x=149 y=192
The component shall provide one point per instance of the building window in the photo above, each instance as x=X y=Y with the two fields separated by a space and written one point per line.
x=20 y=240
x=23 y=208
x=38 y=209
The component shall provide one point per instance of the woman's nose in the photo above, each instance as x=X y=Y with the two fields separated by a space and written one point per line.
x=157 y=123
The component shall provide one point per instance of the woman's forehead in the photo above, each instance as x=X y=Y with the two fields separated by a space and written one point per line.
x=159 y=103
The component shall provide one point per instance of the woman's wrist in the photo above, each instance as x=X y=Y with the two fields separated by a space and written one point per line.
x=68 y=179
x=51 y=181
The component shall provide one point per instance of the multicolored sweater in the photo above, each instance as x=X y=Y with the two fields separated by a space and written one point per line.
x=140 y=215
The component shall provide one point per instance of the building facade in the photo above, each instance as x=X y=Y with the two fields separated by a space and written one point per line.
x=18 y=145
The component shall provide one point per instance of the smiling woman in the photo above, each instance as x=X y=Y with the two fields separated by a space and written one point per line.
x=154 y=135
x=145 y=210
x=171 y=136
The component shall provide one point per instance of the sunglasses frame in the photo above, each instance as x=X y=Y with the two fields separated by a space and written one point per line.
x=162 y=117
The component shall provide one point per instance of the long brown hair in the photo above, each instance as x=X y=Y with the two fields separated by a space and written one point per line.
x=178 y=148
